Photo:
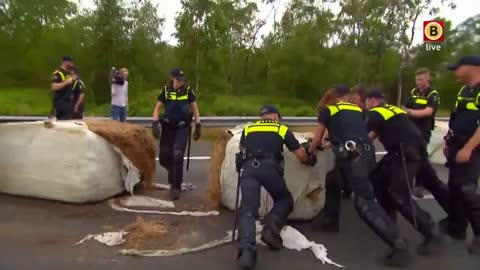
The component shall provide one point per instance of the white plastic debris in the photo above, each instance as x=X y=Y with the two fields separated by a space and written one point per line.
x=145 y=201
x=185 y=186
x=116 y=207
x=109 y=238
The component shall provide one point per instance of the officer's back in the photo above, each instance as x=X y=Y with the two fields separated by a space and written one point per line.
x=265 y=136
x=345 y=121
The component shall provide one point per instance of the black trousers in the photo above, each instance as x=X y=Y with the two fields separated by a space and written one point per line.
x=393 y=188
x=464 y=200
x=356 y=171
x=173 y=142
x=268 y=175
x=335 y=183
x=63 y=110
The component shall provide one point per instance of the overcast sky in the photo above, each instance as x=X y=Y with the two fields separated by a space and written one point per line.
x=169 y=8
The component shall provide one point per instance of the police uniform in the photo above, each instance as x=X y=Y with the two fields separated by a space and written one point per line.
x=262 y=150
x=78 y=89
x=420 y=100
x=175 y=130
x=403 y=141
x=463 y=178
x=62 y=99
x=345 y=124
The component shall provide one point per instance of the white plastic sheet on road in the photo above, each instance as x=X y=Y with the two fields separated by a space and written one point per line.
x=109 y=238
x=145 y=201
x=117 y=207
x=67 y=162
x=292 y=239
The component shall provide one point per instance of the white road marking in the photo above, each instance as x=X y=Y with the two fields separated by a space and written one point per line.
x=381 y=153
x=196 y=158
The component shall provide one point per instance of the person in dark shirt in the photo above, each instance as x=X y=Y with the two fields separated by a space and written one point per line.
x=179 y=101
x=355 y=159
x=78 y=95
x=421 y=107
x=392 y=178
x=61 y=87
x=462 y=151
x=261 y=158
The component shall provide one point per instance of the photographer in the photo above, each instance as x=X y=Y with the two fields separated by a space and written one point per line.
x=119 y=90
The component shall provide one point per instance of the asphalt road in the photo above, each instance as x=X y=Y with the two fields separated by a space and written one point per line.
x=41 y=235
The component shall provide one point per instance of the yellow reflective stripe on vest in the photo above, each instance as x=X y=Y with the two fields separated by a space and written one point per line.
x=432 y=92
x=421 y=101
x=471 y=102
x=172 y=95
x=343 y=106
x=61 y=74
x=266 y=127
x=388 y=112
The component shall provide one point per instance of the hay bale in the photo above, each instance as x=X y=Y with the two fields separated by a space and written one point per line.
x=135 y=142
x=141 y=231
x=217 y=155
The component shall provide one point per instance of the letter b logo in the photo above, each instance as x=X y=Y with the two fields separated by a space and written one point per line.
x=433 y=31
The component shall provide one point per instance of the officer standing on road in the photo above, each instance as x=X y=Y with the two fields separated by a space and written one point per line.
x=261 y=158
x=392 y=179
x=329 y=218
x=78 y=95
x=354 y=157
x=180 y=106
x=421 y=107
x=61 y=87
x=463 y=153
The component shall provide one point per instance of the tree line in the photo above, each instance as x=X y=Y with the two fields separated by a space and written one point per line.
x=310 y=48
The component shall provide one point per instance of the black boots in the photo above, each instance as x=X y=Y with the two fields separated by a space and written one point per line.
x=272 y=239
x=174 y=193
x=457 y=234
x=399 y=256
x=433 y=245
x=247 y=258
x=326 y=223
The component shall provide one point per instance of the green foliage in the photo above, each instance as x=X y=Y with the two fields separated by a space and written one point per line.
x=232 y=68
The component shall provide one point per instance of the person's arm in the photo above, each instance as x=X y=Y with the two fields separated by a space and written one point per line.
x=432 y=105
x=474 y=141
x=158 y=105
x=374 y=123
x=57 y=83
x=192 y=99
x=126 y=93
x=113 y=90
x=294 y=146
x=323 y=117
x=79 y=101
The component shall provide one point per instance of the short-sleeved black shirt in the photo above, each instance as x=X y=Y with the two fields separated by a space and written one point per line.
x=419 y=100
x=344 y=121
x=393 y=128
x=465 y=118
x=177 y=102
x=64 y=94
x=269 y=137
x=78 y=89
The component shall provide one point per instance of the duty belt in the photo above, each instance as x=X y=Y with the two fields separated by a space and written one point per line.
x=176 y=124
x=261 y=155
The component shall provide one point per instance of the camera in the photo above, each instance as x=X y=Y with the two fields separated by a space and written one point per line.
x=117 y=77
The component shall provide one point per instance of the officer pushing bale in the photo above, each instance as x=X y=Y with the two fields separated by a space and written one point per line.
x=174 y=127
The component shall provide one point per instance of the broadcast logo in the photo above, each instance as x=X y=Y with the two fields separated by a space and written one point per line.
x=433 y=32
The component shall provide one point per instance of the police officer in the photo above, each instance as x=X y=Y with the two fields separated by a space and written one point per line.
x=78 y=95
x=261 y=158
x=392 y=179
x=463 y=153
x=329 y=218
x=61 y=87
x=421 y=107
x=180 y=104
x=355 y=157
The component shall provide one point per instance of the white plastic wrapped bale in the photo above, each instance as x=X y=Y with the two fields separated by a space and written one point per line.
x=301 y=180
x=435 y=147
x=67 y=162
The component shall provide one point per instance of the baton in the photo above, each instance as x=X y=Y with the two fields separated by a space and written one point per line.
x=188 y=148
x=404 y=164
x=236 y=207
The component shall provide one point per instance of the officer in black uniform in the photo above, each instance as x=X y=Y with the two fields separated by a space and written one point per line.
x=78 y=95
x=463 y=153
x=61 y=86
x=392 y=179
x=355 y=157
x=421 y=107
x=261 y=157
x=180 y=105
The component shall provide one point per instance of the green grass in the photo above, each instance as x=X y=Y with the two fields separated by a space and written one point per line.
x=37 y=102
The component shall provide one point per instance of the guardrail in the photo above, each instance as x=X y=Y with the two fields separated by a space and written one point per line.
x=209 y=121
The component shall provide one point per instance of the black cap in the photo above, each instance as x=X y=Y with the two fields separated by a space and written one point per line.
x=341 y=89
x=375 y=93
x=470 y=60
x=268 y=109
x=67 y=58
x=178 y=74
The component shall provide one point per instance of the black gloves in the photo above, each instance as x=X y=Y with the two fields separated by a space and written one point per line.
x=156 y=129
x=311 y=160
x=306 y=146
x=198 y=131
x=238 y=161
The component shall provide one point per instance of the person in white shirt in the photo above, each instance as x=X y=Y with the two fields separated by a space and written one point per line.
x=120 y=95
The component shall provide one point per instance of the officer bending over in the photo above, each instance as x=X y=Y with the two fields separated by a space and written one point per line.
x=463 y=153
x=61 y=87
x=180 y=105
x=392 y=179
x=261 y=158
x=329 y=218
x=354 y=157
